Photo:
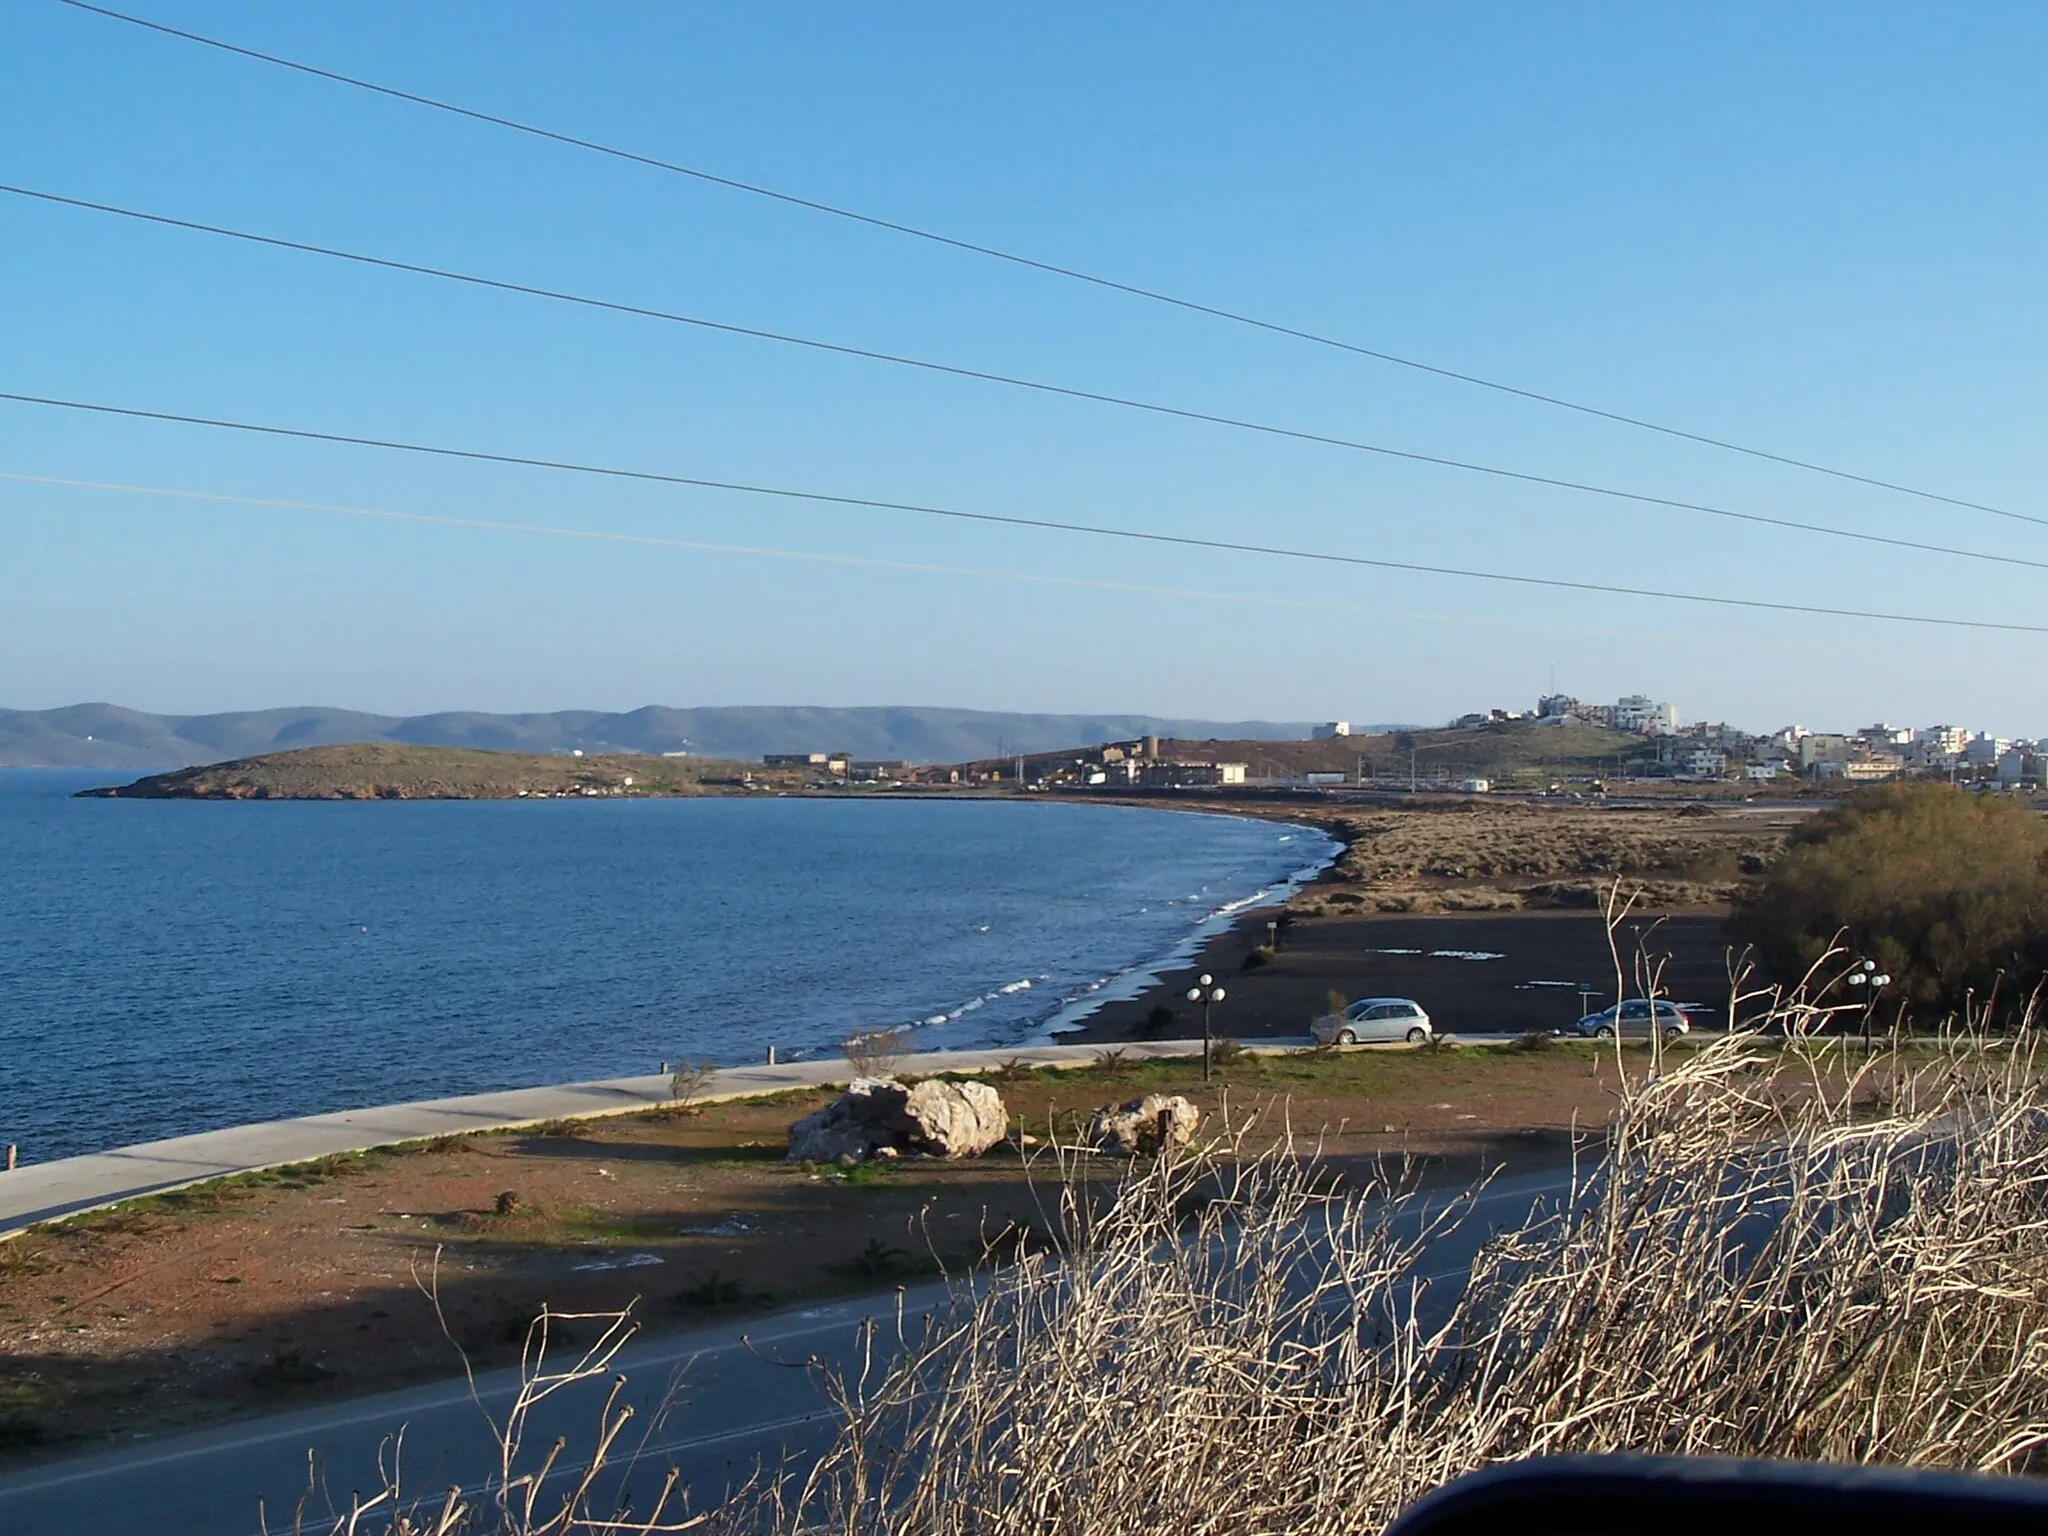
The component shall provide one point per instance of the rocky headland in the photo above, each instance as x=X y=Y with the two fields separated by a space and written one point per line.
x=384 y=771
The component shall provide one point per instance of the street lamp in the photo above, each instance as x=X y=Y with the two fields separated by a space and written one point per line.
x=1867 y=975
x=1208 y=994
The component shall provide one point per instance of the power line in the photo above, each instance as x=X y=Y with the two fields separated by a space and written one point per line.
x=1132 y=290
x=1039 y=386
x=1188 y=541
x=812 y=557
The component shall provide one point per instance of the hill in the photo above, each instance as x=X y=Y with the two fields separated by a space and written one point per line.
x=386 y=771
x=107 y=736
x=1510 y=751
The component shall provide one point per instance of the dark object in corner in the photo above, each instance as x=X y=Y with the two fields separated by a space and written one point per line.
x=1710 y=1496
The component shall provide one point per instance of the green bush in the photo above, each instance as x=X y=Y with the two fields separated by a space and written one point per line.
x=1947 y=891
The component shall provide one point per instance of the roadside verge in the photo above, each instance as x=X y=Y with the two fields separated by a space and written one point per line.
x=41 y=1192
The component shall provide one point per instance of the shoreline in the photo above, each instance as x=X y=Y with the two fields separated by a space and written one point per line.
x=1274 y=1001
x=1101 y=921
x=1073 y=1021
x=35 y=1194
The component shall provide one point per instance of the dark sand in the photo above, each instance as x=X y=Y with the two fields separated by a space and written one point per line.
x=1462 y=996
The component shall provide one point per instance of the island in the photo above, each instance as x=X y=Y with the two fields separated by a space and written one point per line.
x=390 y=771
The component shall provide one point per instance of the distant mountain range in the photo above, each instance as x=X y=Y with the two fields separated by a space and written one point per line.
x=107 y=736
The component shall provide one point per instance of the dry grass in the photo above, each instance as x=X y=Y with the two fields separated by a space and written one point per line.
x=1476 y=857
x=1787 y=1247
x=1786 y=1251
x=532 y=1491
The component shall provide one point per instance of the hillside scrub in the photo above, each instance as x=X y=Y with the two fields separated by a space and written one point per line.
x=1785 y=1254
x=1945 y=890
x=1476 y=856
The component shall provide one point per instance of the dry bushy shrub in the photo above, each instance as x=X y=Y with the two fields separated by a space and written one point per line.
x=538 y=1488
x=1796 y=1251
x=690 y=1082
x=877 y=1052
x=1947 y=891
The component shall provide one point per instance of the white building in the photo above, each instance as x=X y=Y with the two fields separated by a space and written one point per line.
x=1639 y=712
x=1703 y=763
x=1328 y=732
x=1981 y=749
x=1943 y=740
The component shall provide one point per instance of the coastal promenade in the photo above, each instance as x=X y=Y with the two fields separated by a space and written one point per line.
x=40 y=1192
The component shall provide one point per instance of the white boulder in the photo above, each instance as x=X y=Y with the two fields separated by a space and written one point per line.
x=878 y=1116
x=1150 y=1124
x=852 y=1125
x=954 y=1119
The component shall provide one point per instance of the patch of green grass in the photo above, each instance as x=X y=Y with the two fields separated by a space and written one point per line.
x=866 y=1175
x=566 y=1128
x=883 y=1261
x=20 y=1431
x=733 y=1156
x=712 y=1291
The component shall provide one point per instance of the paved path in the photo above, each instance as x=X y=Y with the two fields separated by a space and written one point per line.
x=710 y=1403
x=45 y=1191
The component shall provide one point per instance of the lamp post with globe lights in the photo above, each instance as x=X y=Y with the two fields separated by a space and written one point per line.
x=1208 y=994
x=1873 y=981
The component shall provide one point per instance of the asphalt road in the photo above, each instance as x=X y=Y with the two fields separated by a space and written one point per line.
x=713 y=1403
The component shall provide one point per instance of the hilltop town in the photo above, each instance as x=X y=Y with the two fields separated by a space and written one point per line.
x=1560 y=743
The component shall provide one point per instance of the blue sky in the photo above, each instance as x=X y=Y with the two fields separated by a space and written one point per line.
x=1816 y=229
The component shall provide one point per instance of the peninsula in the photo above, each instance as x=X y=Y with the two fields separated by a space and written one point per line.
x=387 y=771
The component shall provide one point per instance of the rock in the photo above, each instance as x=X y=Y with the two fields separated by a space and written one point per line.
x=852 y=1125
x=954 y=1119
x=1144 y=1125
x=879 y=1117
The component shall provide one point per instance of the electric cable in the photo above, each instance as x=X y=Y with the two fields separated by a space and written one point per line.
x=809 y=557
x=1074 y=274
x=1188 y=541
x=672 y=317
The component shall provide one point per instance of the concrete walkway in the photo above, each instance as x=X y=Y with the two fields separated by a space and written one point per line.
x=45 y=1191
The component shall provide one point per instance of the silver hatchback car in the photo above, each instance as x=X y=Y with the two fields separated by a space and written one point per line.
x=1374 y=1018
x=1633 y=1018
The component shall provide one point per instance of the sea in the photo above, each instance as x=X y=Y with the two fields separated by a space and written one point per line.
x=174 y=966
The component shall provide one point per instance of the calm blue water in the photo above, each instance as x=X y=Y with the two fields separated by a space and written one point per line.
x=171 y=966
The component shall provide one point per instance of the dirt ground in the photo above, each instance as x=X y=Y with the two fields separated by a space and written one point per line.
x=1475 y=973
x=1485 y=912
x=304 y=1285
x=1473 y=855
